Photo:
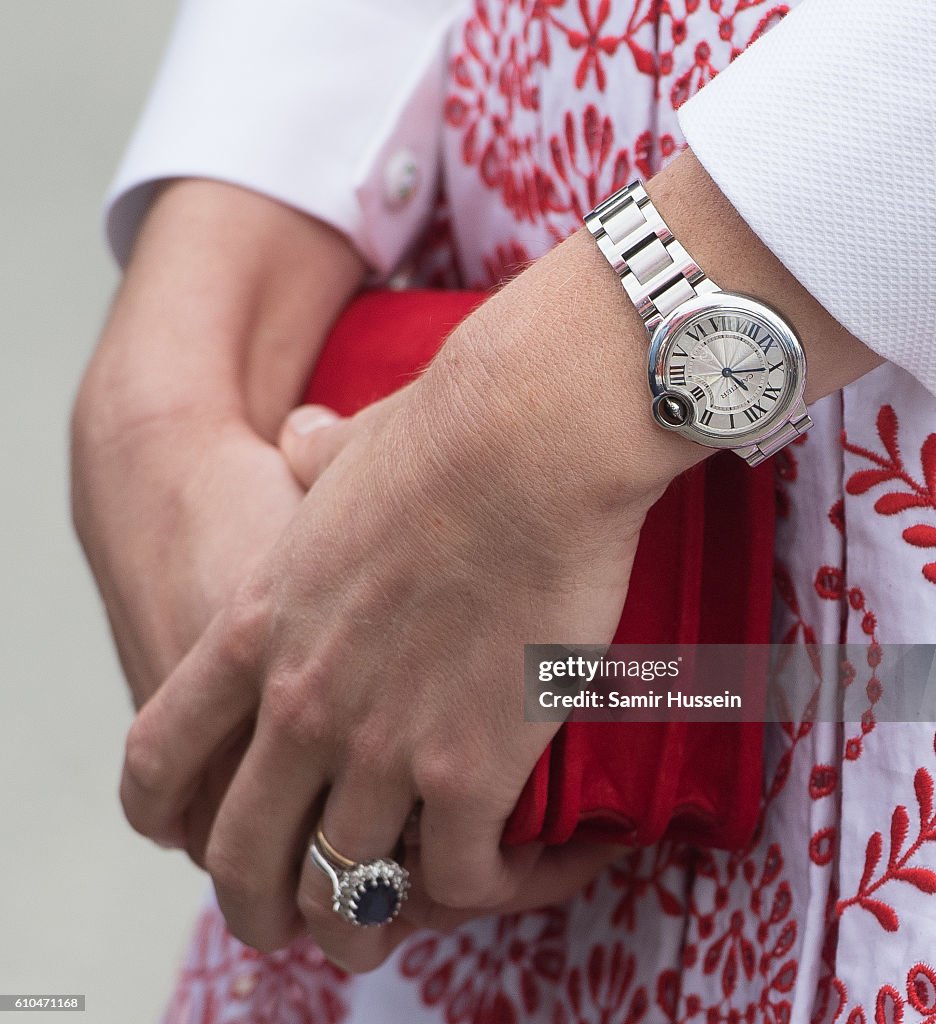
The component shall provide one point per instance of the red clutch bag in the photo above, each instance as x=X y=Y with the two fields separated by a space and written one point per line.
x=631 y=783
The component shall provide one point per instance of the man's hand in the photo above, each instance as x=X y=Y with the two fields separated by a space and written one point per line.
x=177 y=487
x=178 y=490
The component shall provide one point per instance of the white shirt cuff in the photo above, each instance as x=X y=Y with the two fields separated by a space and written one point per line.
x=333 y=108
x=822 y=136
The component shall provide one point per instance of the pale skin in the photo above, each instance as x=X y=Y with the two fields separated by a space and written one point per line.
x=357 y=649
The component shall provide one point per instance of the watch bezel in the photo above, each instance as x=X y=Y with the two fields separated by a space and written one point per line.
x=722 y=302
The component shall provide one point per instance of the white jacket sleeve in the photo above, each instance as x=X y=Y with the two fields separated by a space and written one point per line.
x=332 y=107
x=823 y=136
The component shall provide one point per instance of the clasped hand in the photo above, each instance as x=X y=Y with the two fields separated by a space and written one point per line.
x=373 y=662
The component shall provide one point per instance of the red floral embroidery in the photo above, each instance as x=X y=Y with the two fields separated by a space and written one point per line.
x=605 y=987
x=898 y=867
x=593 y=38
x=823 y=780
x=890 y=1005
x=830 y=584
x=921 y=990
x=585 y=155
x=492 y=87
x=510 y=979
x=224 y=979
x=890 y=467
x=641 y=875
x=830 y=1000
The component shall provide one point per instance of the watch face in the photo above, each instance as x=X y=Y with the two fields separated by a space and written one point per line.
x=725 y=369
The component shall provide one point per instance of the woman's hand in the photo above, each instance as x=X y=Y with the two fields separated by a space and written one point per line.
x=310 y=439
x=380 y=646
x=494 y=502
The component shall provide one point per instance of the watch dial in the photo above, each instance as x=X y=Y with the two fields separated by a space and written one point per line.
x=734 y=369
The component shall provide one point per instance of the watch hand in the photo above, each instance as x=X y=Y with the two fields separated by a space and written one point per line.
x=730 y=374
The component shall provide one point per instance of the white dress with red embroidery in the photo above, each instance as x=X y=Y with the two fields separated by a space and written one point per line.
x=830 y=914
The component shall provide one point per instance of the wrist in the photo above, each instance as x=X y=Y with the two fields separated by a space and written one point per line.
x=594 y=296
x=555 y=367
x=225 y=304
x=731 y=254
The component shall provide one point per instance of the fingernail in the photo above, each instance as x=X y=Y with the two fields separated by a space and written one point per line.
x=172 y=837
x=305 y=420
x=171 y=841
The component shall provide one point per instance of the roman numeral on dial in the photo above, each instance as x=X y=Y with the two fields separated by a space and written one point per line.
x=772 y=392
x=755 y=412
x=677 y=374
x=751 y=331
x=697 y=393
x=705 y=417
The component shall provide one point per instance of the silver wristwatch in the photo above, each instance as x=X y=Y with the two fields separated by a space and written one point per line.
x=725 y=370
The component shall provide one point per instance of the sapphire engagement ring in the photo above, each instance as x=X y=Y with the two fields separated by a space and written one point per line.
x=363 y=894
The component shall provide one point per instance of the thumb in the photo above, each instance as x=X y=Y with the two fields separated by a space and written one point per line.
x=311 y=436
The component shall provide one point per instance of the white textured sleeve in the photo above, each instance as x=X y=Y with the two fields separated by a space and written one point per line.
x=332 y=107
x=823 y=137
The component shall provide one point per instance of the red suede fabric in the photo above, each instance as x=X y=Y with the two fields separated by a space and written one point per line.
x=631 y=783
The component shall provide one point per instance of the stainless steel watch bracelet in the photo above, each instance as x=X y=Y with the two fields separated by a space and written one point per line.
x=754 y=454
x=656 y=271
x=658 y=274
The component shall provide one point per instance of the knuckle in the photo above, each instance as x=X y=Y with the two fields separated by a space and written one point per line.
x=442 y=778
x=366 y=960
x=356 y=957
x=499 y=891
x=374 y=744
x=245 y=626
x=145 y=764
x=233 y=881
x=314 y=908
x=264 y=942
x=294 y=711
x=458 y=892
x=195 y=851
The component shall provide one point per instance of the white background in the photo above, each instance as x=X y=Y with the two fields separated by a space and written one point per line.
x=86 y=905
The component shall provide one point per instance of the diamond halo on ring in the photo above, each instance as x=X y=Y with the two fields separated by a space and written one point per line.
x=365 y=894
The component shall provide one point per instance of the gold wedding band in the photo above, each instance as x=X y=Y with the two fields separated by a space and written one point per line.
x=331 y=853
x=369 y=893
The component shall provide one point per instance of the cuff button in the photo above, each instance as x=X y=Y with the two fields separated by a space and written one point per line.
x=401 y=179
